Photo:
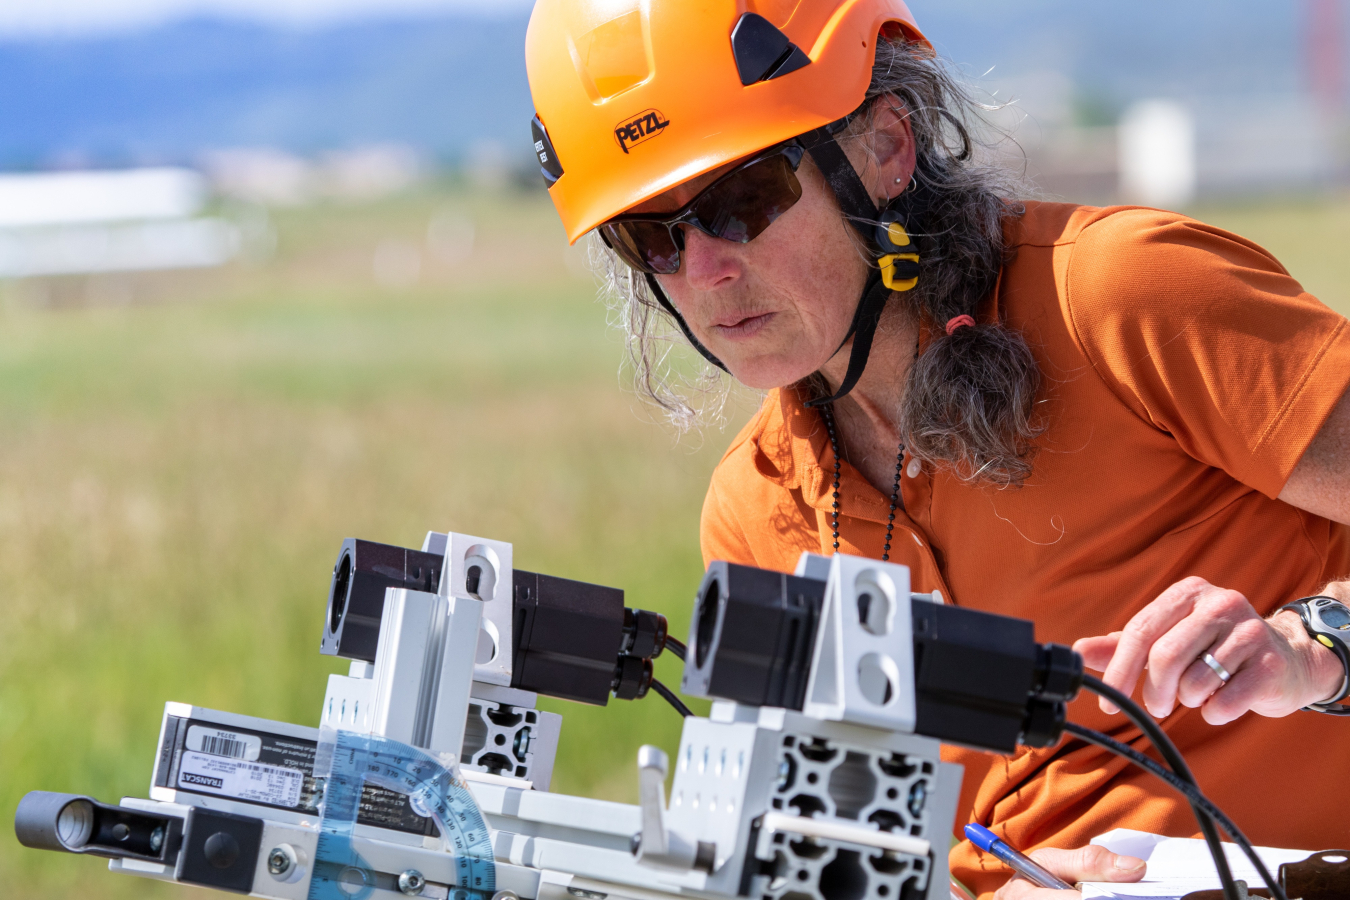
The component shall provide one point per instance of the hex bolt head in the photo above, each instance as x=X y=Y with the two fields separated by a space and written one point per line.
x=411 y=882
x=278 y=861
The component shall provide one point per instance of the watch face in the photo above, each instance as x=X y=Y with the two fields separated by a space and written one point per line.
x=1337 y=617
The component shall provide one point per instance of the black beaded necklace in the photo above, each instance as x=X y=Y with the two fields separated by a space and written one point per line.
x=827 y=410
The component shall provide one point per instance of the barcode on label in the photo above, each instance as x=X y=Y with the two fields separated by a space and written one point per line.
x=224 y=747
x=219 y=742
x=255 y=767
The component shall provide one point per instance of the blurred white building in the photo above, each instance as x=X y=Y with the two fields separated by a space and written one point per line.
x=1169 y=152
x=109 y=221
x=371 y=172
x=259 y=175
x=273 y=177
x=1157 y=154
x=1259 y=144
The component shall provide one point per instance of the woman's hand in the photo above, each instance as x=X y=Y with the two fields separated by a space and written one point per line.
x=1090 y=863
x=1275 y=667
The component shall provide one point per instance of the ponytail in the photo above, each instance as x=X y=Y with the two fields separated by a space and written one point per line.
x=970 y=400
x=969 y=404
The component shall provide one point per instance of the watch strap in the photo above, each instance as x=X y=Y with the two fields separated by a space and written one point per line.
x=1333 y=643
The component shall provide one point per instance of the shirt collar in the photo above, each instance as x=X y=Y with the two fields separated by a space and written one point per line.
x=792 y=450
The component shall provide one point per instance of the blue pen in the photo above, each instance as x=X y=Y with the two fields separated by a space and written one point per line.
x=991 y=843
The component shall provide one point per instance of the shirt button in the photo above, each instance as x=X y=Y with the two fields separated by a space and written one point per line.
x=914 y=469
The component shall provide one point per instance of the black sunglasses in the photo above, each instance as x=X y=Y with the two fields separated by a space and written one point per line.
x=736 y=207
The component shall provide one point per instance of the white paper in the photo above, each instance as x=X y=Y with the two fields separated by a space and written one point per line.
x=1177 y=866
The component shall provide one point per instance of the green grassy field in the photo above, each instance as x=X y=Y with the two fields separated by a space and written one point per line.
x=181 y=456
x=176 y=477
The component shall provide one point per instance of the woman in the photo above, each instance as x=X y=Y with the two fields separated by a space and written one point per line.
x=1122 y=424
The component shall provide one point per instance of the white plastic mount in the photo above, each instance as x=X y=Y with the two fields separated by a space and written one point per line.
x=862 y=668
x=485 y=566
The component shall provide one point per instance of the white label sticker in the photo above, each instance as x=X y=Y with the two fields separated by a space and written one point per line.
x=224 y=743
x=241 y=780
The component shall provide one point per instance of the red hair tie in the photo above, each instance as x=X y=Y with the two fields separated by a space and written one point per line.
x=957 y=322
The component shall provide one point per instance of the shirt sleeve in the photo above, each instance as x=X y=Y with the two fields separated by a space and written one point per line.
x=1207 y=337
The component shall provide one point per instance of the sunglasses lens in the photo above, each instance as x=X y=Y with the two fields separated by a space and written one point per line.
x=739 y=208
x=646 y=246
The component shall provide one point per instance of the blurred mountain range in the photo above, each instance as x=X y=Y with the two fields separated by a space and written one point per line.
x=443 y=85
x=449 y=84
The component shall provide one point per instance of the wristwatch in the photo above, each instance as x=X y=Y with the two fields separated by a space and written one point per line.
x=1327 y=621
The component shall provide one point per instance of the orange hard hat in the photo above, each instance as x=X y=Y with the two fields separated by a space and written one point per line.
x=633 y=97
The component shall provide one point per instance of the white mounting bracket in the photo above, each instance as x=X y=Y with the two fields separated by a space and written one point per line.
x=863 y=665
x=480 y=569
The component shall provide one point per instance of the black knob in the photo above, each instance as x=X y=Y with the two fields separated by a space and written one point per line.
x=221 y=850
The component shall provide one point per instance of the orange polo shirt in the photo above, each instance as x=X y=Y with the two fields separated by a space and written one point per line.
x=1184 y=374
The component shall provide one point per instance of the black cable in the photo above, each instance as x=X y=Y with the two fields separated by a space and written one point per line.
x=1188 y=790
x=677 y=647
x=1172 y=756
x=670 y=698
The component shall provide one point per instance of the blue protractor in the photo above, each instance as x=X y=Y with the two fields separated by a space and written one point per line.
x=358 y=760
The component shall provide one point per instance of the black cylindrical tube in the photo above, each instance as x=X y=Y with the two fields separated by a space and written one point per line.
x=364 y=570
x=71 y=823
x=752 y=636
x=38 y=821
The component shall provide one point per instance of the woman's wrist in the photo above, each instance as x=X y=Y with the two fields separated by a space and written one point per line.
x=1328 y=672
x=1324 y=672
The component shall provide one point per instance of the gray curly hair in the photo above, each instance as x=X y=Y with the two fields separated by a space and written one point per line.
x=969 y=402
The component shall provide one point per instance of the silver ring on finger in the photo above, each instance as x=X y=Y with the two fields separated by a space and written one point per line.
x=1215 y=666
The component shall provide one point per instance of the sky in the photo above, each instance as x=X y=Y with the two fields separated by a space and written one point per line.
x=20 y=18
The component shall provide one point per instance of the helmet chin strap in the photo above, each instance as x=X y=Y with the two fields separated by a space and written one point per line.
x=862 y=331
x=857 y=205
x=872 y=224
x=669 y=307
